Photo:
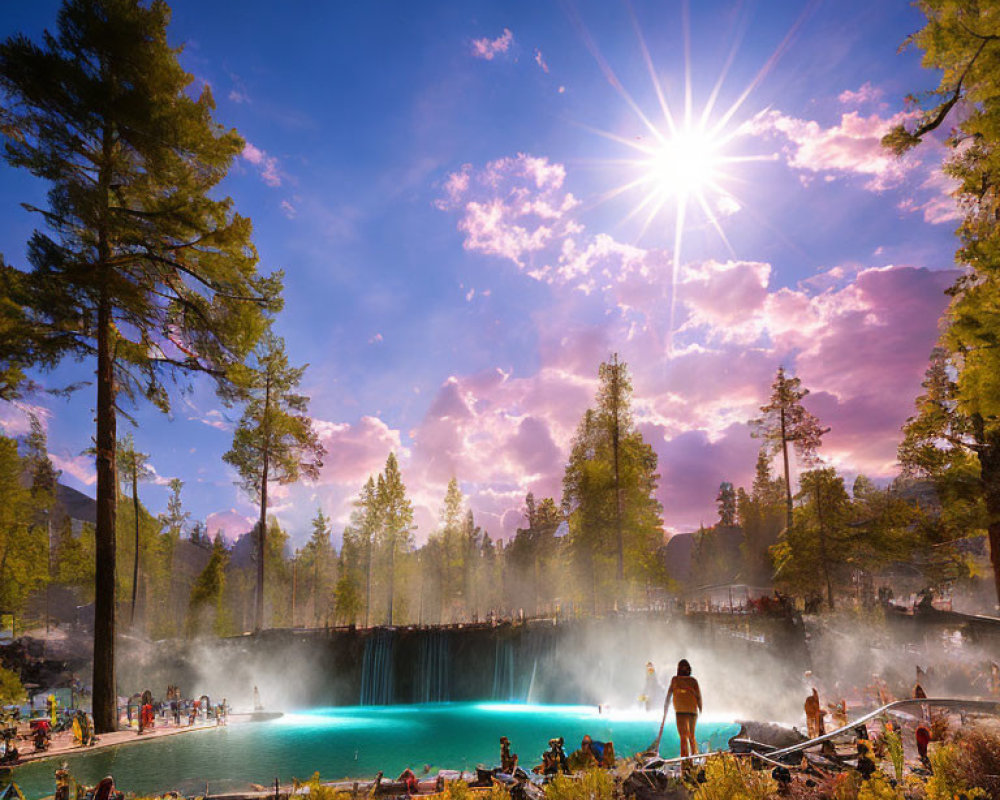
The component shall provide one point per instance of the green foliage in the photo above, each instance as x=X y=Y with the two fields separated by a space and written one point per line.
x=23 y=537
x=970 y=764
x=610 y=481
x=731 y=778
x=395 y=533
x=536 y=558
x=457 y=790
x=317 y=568
x=141 y=268
x=949 y=778
x=810 y=553
x=205 y=608
x=11 y=690
x=878 y=787
x=959 y=412
x=783 y=421
x=726 y=502
x=894 y=749
x=761 y=515
x=319 y=790
x=594 y=784
x=274 y=439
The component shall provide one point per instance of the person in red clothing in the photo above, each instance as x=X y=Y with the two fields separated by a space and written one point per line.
x=686 y=696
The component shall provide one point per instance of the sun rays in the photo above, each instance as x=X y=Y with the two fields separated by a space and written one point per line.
x=688 y=162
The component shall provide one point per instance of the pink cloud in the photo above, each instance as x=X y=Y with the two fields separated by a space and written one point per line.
x=230 y=522
x=80 y=467
x=866 y=93
x=851 y=147
x=488 y=49
x=15 y=417
x=266 y=165
x=941 y=207
x=353 y=452
x=858 y=336
x=540 y=60
x=513 y=208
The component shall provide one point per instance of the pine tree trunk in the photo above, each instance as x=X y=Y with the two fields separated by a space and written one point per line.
x=615 y=442
x=392 y=580
x=824 y=558
x=105 y=698
x=989 y=470
x=262 y=535
x=788 y=477
x=135 y=563
x=258 y=623
x=368 y=583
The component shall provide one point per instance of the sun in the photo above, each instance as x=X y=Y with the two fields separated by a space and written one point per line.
x=684 y=165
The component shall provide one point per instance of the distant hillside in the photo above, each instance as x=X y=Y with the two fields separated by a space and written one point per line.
x=76 y=505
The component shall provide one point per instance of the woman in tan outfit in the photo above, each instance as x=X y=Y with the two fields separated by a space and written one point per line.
x=686 y=695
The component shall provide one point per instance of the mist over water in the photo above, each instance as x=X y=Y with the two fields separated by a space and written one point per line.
x=749 y=667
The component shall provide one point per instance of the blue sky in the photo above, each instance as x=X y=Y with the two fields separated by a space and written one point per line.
x=436 y=178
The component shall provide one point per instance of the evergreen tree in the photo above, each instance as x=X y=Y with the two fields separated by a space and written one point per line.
x=363 y=530
x=274 y=440
x=145 y=270
x=533 y=551
x=815 y=549
x=396 y=529
x=175 y=519
x=449 y=550
x=761 y=516
x=207 y=594
x=23 y=543
x=959 y=42
x=133 y=466
x=317 y=563
x=726 y=501
x=613 y=404
x=600 y=490
x=348 y=600
x=784 y=420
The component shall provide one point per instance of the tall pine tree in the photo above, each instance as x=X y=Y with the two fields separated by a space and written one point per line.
x=274 y=439
x=143 y=269
x=961 y=43
x=783 y=421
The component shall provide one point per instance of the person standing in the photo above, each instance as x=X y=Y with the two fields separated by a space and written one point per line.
x=814 y=715
x=651 y=689
x=686 y=696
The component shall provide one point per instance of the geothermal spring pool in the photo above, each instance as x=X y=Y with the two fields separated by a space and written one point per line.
x=357 y=742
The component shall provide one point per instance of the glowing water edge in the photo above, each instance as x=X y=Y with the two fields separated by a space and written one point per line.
x=357 y=742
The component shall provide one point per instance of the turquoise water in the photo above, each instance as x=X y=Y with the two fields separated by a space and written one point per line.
x=357 y=742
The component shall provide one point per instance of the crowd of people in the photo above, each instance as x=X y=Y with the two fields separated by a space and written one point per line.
x=143 y=711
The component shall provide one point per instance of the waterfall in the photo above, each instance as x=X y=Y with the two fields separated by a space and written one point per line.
x=503 y=671
x=530 y=696
x=434 y=678
x=378 y=673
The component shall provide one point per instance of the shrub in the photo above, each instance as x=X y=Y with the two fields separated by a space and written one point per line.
x=319 y=791
x=457 y=790
x=11 y=690
x=949 y=779
x=894 y=749
x=979 y=758
x=878 y=788
x=731 y=778
x=496 y=792
x=594 y=784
